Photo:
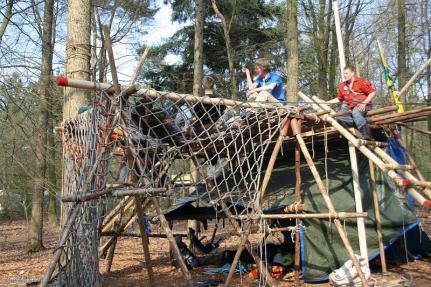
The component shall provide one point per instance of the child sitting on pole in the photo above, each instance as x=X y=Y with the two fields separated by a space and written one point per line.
x=357 y=95
x=267 y=86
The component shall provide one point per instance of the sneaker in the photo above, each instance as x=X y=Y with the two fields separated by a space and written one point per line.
x=347 y=275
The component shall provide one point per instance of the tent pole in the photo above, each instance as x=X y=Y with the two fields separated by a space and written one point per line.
x=330 y=206
x=378 y=219
x=358 y=201
x=298 y=221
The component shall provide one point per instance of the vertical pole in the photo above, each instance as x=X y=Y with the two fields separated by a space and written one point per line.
x=339 y=37
x=358 y=201
x=298 y=221
x=330 y=206
x=378 y=219
x=144 y=238
x=174 y=246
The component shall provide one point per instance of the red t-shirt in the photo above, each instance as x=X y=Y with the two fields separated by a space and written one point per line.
x=360 y=90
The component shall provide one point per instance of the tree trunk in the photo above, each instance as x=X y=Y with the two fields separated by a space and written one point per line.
x=52 y=177
x=198 y=48
x=229 y=50
x=6 y=18
x=77 y=65
x=36 y=221
x=402 y=46
x=292 y=51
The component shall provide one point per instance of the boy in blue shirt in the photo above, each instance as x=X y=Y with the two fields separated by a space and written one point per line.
x=267 y=86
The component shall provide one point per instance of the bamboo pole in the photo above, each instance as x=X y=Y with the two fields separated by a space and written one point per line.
x=172 y=242
x=358 y=202
x=144 y=239
x=367 y=152
x=377 y=213
x=298 y=182
x=328 y=202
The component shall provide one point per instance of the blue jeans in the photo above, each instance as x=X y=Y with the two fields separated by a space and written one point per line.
x=357 y=117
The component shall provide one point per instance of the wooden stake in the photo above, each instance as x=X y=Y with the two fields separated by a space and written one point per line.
x=378 y=219
x=144 y=238
x=172 y=242
x=328 y=202
x=358 y=202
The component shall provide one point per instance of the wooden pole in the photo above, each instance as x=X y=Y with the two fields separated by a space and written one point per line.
x=328 y=202
x=64 y=236
x=423 y=131
x=327 y=215
x=339 y=37
x=358 y=202
x=139 y=67
x=298 y=182
x=173 y=244
x=414 y=78
x=108 y=45
x=367 y=152
x=377 y=213
x=262 y=269
x=144 y=238
x=269 y=169
x=244 y=238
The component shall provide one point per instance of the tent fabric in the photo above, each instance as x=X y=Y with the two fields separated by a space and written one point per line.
x=321 y=247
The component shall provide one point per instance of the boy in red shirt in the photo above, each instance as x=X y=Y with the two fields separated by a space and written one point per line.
x=357 y=95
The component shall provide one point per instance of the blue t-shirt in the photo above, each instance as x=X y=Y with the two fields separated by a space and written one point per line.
x=273 y=77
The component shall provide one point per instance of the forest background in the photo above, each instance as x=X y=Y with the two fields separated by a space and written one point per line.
x=202 y=37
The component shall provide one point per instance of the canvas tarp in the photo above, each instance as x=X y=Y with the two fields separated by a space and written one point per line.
x=321 y=247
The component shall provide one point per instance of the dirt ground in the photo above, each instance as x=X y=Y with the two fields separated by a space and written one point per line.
x=18 y=267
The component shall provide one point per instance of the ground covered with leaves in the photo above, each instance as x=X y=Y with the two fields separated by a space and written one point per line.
x=17 y=267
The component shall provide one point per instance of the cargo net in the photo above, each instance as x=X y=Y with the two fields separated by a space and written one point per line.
x=157 y=144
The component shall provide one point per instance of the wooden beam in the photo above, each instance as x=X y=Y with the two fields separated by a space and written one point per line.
x=362 y=237
x=377 y=213
x=108 y=45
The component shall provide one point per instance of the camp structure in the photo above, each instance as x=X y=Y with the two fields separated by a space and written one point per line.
x=266 y=169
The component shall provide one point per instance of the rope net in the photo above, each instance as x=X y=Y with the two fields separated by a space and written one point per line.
x=158 y=144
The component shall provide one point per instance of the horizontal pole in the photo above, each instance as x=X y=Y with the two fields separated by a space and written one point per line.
x=128 y=234
x=329 y=215
x=82 y=84
x=139 y=191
